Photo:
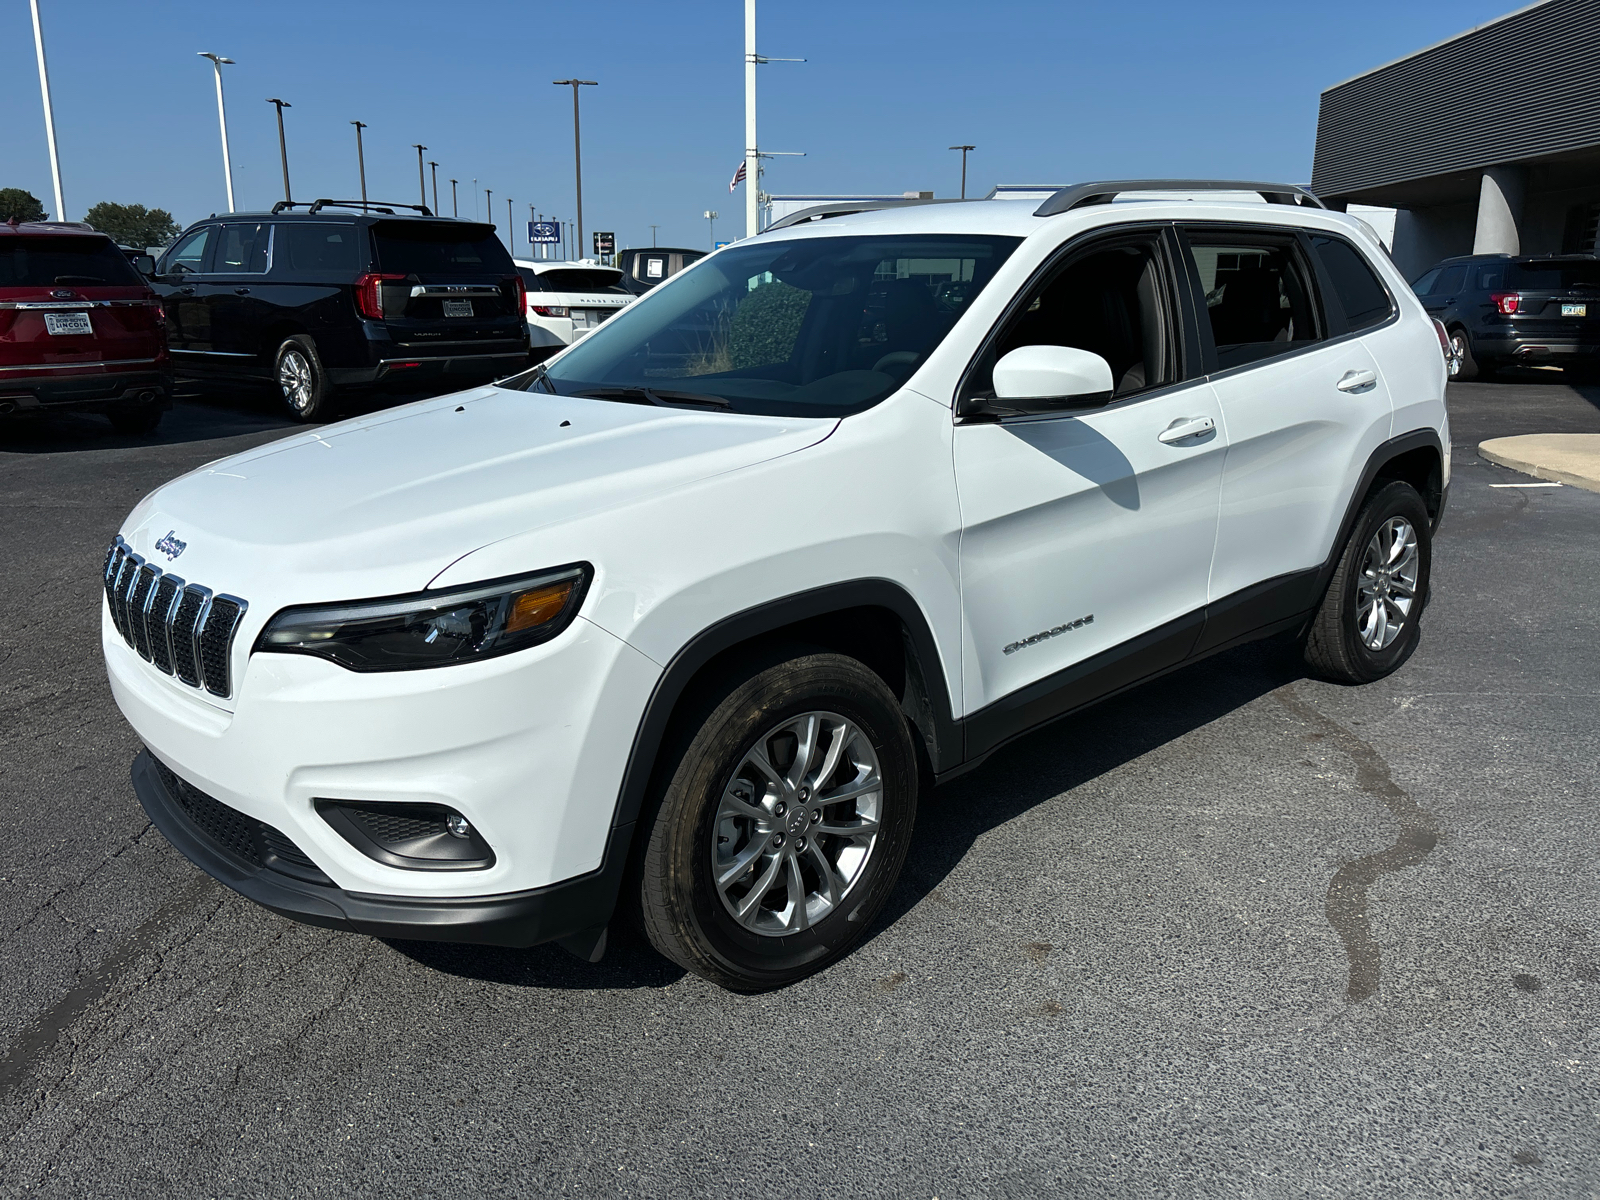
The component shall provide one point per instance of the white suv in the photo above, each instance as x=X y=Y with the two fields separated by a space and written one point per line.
x=566 y=300
x=680 y=622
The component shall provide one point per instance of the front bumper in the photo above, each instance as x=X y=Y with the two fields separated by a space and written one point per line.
x=87 y=389
x=574 y=911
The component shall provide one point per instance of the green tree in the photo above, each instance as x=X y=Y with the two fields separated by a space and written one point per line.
x=133 y=224
x=24 y=206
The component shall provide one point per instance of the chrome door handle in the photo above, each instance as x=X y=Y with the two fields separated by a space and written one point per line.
x=1357 y=381
x=241 y=291
x=1186 y=427
x=188 y=291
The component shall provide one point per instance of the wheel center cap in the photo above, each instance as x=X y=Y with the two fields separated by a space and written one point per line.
x=797 y=820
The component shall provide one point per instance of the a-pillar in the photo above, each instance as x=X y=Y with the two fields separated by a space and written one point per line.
x=1499 y=211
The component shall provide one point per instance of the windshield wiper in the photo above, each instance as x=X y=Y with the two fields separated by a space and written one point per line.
x=644 y=395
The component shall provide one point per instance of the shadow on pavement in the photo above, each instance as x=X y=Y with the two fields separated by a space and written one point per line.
x=1040 y=767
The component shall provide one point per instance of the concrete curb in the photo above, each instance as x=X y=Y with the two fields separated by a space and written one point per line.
x=1563 y=457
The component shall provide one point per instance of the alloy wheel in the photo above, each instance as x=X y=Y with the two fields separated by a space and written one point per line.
x=1457 y=353
x=294 y=378
x=797 y=823
x=1387 y=587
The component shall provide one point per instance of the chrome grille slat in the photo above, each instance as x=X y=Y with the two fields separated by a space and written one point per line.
x=182 y=629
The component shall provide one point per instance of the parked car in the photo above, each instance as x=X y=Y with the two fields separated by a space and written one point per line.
x=643 y=269
x=691 y=639
x=80 y=329
x=567 y=300
x=1502 y=309
x=341 y=295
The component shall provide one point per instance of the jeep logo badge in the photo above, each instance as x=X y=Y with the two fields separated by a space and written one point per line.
x=171 y=546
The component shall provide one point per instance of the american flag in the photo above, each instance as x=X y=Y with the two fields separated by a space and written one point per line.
x=738 y=177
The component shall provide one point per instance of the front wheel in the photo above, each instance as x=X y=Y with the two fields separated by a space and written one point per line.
x=1367 y=624
x=302 y=383
x=784 y=825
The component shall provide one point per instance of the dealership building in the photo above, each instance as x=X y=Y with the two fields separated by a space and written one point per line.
x=1487 y=143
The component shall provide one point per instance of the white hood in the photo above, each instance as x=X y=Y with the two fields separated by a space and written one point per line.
x=382 y=504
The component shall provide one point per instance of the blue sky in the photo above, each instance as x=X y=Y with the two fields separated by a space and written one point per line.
x=1048 y=92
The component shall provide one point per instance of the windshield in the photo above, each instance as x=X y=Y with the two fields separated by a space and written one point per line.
x=578 y=280
x=1553 y=275
x=822 y=326
x=66 y=261
x=454 y=248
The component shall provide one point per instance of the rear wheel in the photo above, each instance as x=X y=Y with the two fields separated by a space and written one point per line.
x=784 y=825
x=1464 y=366
x=301 y=381
x=1367 y=625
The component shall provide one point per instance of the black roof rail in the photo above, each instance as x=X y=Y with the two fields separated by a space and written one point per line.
x=1104 y=191
x=843 y=208
x=316 y=206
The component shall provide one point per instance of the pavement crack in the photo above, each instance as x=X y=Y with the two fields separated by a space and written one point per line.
x=1346 y=905
x=35 y=1042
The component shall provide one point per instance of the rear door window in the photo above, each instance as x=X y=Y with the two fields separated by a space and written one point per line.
x=442 y=249
x=242 y=249
x=1451 y=281
x=189 y=255
x=1257 y=296
x=310 y=247
x=58 y=261
x=1364 y=298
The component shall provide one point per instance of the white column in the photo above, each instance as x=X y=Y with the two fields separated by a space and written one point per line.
x=752 y=211
x=49 y=114
x=1499 y=211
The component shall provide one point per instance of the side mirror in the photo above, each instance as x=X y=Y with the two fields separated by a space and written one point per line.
x=1040 y=379
x=145 y=264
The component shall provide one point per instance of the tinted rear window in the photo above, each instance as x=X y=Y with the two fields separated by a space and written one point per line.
x=575 y=279
x=322 y=247
x=1364 y=298
x=1555 y=276
x=420 y=248
x=57 y=261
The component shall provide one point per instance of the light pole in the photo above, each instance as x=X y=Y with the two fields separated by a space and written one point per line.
x=963 y=150
x=49 y=112
x=652 y=237
x=711 y=219
x=217 y=62
x=577 y=143
x=474 y=199
x=488 y=204
x=422 y=179
x=455 y=209
x=753 y=156
x=511 y=227
x=434 y=168
x=283 y=146
x=361 y=158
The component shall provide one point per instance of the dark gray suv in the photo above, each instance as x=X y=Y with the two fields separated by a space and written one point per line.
x=1500 y=309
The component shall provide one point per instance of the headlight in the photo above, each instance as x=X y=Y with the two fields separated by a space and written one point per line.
x=433 y=629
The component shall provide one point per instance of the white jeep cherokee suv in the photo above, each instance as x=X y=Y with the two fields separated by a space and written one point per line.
x=680 y=622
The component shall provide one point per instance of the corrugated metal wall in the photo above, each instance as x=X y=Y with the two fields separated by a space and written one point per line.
x=1525 y=86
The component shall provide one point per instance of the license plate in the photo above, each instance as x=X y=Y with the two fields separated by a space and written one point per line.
x=67 y=323
x=458 y=308
x=1574 y=310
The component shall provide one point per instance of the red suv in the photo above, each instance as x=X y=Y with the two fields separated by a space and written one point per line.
x=80 y=329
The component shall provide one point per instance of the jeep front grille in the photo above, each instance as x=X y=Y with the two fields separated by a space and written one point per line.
x=182 y=629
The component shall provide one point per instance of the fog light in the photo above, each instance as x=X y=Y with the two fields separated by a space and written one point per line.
x=458 y=826
x=414 y=836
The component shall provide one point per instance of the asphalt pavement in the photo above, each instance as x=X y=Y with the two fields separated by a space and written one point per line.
x=1236 y=933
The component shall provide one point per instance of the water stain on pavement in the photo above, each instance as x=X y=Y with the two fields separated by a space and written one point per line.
x=1346 y=905
x=1036 y=951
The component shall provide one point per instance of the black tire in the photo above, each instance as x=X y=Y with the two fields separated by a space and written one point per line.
x=1467 y=366
x=1335 y=646
x=683 y=913
x=136 y=422
x=301 y=382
